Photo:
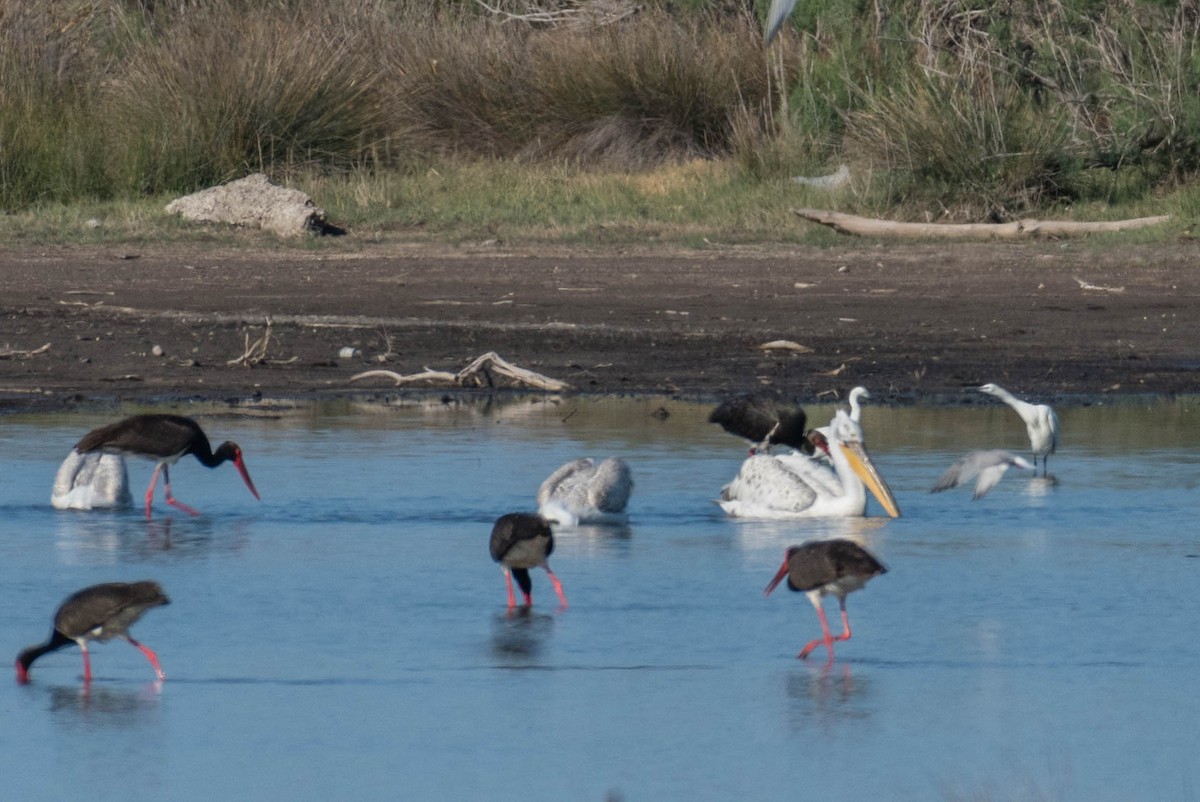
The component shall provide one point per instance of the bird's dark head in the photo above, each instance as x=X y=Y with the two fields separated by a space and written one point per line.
x=230 y=451
x=818 y=441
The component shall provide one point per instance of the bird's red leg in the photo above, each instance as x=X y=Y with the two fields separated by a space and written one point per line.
x=87 y=663
x=151 y=656
x=826 y=638
x=171 y=499
x=150 y=490
x=845 y=625
x=512 y=600
x=562 y=598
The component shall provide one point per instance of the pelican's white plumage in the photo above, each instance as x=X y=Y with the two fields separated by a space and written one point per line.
x=92 y=481
x=583 y=491
x=1041 y=423
x=988 y=465
x=795 y=486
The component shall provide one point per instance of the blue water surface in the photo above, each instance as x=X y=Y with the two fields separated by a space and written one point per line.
x=347 y=637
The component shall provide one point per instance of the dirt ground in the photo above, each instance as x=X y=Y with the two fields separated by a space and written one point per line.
x=914 y=323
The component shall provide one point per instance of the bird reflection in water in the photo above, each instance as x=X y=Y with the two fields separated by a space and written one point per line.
x=105 y=707
x=519 y=636
x=826 y=696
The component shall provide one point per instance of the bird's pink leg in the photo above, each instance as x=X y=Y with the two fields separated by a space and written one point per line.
x=562 y=598
x=87 y=663
x=150 y=490
x=826 y=638
x=512 y=599
x=151 y=656
x=171 y=499
x=845 y=626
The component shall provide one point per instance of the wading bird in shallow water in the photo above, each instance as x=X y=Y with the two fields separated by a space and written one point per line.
x=988 y=465
x=521 y=541
x=1040 y=423
x=99 y=612
x=765 y=419
x=795 y=486
x=584 y=492
x=856 y=395
x=826 y=568
x=91 y=482
x=163 y=439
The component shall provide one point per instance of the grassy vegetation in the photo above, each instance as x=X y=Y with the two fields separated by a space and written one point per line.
x=430 y=119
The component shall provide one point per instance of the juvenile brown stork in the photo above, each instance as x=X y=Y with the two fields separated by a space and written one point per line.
x=826 y=567
x=99 y=612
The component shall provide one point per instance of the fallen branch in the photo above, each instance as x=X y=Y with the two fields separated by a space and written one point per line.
x=475 y=374
x=16 y=353
x=871 y=227
x=255 y=353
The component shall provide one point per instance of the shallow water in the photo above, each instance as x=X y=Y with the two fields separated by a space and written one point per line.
x=347 y=636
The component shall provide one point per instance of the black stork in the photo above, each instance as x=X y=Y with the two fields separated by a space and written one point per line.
x=163 y=439
x=521 y=541
x=765 y=419
x=827 y=567
x=99 y=612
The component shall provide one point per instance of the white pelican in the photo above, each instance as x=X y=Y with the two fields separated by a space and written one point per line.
x=775 y=16
x=988 y=465
x=855 y=406
x=827 y=567
x=583 y=492
x=765 y=419
x=521 y=541
x=795 y=486
x=1040 y=422
x=92 y=481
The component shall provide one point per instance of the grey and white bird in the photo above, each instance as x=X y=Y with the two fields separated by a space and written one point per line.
x=92 y=481
x=988 y=465
x=586 y=492
x=1040 y=423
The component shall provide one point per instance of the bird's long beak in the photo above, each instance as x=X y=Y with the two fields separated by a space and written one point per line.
x=241 y=466
x=860 y=462
x=779 y=575
x=22 y=674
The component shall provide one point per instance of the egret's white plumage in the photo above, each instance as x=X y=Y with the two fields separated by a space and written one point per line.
x=855 y=407
x=779 y=11
x=793 y=485
x=92 y=481
x=988 y=465
x=1040 y=422
x=583 y=491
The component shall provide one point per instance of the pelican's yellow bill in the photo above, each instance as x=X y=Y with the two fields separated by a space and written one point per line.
x=860 y=461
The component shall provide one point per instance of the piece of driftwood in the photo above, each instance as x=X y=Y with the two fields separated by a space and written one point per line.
x=872 y=227
x=17 y=353
x=477 y=374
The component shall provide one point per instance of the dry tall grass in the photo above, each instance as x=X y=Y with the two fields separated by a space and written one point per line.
x=982 y=110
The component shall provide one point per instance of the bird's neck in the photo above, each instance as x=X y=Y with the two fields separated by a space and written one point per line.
x=57 y=641
x=203 y=452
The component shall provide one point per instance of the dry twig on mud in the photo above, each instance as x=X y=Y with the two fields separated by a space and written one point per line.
x=477 y=374
x=255 y=353
x=16 y=353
